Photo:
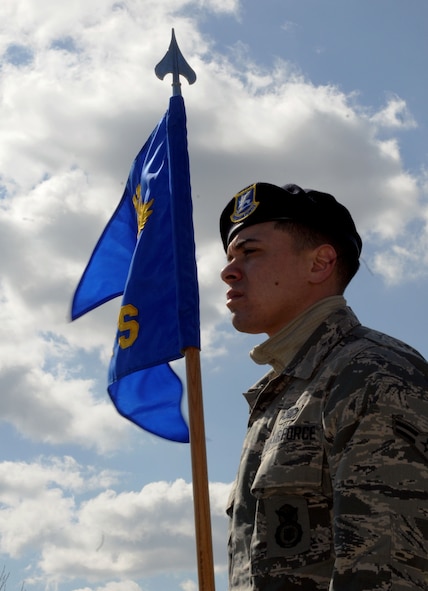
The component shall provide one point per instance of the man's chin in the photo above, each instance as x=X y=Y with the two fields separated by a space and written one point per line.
x=245 y=326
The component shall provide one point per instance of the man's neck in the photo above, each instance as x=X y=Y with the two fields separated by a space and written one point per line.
x=280 y=349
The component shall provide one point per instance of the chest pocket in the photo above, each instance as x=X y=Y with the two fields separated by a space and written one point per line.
x=292 y=522
x=292 y=458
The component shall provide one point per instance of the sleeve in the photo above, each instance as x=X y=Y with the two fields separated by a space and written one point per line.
x=376 y=427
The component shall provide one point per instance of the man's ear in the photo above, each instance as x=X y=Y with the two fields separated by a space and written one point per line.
x=324 y=259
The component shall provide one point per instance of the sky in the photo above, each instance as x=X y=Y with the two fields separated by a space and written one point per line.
x=326 y=94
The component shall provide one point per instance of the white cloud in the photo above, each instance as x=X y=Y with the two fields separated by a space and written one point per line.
x=289 y=26
x=226 y=6
x=404 y=262
x=111 y=535
x=36 y=508
x=395 y=114
x=59 y=409
x=122 y=534
x=78 y=98
x=73 y=118
x=114 y=586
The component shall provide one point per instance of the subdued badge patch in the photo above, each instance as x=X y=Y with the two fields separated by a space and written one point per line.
x=409 y=433
x=288 y=526
x=289 y=531
x=245 y=204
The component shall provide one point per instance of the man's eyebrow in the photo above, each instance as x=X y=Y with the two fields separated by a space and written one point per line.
x=241 y=244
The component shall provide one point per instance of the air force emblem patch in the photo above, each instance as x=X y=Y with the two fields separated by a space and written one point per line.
x=245 y=204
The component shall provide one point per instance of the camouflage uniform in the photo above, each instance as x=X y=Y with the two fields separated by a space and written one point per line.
x=332 y=490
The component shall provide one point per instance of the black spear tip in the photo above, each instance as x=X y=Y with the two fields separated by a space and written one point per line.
x=174 y=63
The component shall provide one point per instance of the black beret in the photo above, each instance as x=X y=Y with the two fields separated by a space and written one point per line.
x=263 y=202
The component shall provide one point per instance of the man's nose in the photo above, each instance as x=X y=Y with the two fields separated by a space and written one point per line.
x=230 y=273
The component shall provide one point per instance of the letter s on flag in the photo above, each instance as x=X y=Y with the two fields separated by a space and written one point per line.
x=131 y=327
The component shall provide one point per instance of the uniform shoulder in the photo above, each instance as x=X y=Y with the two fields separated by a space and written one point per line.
x=377 y=344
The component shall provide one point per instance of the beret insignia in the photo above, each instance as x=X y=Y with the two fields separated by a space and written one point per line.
x=245 y=204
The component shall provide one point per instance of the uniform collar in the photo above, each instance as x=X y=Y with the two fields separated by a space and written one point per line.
x=321 y=342
x=311 y=353
x=280 y=349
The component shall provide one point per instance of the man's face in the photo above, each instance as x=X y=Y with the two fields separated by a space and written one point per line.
x=268 y=280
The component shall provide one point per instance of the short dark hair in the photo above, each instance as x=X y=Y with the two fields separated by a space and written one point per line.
x=305 y=237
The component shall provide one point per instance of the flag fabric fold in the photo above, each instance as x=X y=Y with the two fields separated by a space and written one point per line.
x=147 y=253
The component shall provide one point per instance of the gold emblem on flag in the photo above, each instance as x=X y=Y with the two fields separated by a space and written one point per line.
x=142 y=209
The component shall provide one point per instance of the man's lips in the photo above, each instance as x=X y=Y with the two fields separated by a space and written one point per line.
x=232 y=296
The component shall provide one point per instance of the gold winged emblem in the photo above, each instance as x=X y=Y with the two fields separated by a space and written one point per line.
x=142 y=209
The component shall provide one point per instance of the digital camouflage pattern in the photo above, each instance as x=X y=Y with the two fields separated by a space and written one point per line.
x=332 y=489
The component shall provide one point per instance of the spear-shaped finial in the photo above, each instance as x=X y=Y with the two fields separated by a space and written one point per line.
x=175 y=64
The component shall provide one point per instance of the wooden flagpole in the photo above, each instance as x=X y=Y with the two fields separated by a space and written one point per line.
x=201 y=501
x=175 y=64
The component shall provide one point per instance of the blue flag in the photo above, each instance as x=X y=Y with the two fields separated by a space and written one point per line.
x=147 y=253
